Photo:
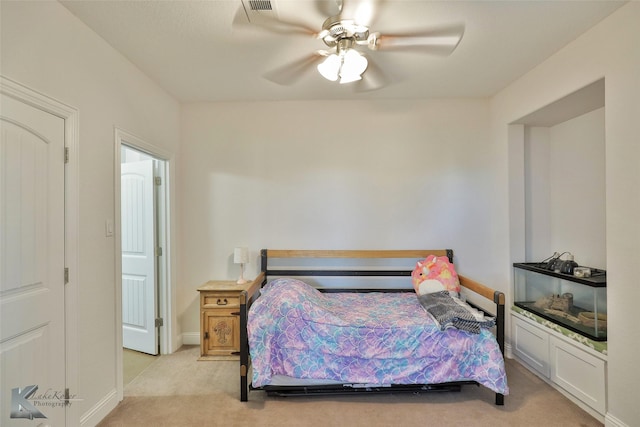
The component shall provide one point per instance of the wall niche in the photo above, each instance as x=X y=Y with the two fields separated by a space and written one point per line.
x=557 y=191
x=563 y=148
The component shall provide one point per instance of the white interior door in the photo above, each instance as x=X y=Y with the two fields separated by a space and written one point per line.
x=139 y=296
x=32 y=269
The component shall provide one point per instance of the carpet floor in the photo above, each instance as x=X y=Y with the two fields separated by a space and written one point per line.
x=179 y=390
x=134 y=363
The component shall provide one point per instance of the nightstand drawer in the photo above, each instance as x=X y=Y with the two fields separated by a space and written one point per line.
x=220 y=300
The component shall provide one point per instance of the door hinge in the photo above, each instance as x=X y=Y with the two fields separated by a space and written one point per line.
x=159 y=322
x=66 y=275
x=158 y=180
x=206 y=335
x=158 y=251
x=67 y=396
x=66 y=154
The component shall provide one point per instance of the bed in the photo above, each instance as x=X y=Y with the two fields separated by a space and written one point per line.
x=372 y=335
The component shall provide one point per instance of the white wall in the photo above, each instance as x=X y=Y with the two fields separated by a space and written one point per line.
x=537 y=192
x=47 y=49
x=335 y=175
x=578 y=220
x=608 y=50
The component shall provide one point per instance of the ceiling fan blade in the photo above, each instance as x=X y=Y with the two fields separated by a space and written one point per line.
x=290 y=73
x=372 y=79
x=362 y=12
x=328 y=8
x=441 y=41
x=269 y=23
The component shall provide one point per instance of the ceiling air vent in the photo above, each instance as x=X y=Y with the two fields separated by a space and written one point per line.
x=257 y=9
x=260 y=5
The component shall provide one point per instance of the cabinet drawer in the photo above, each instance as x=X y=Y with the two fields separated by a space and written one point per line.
x=531 y=345
x=579 y=373
x=220 y=300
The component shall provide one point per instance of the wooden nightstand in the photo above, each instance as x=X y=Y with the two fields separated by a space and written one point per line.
x=220 y=319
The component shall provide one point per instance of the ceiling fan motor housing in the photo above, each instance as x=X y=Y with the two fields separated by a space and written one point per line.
x=335 y=29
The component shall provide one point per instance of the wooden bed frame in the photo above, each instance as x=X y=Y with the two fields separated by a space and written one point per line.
x=247 y=298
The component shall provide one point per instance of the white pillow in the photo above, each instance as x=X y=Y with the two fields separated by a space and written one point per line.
x=430 y=286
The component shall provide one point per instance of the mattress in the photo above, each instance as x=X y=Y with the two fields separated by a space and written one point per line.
x=377 y=338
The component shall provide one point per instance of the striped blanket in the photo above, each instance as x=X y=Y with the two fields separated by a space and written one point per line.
x=450 y=312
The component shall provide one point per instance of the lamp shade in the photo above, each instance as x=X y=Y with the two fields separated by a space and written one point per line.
x=330 y=68
x=353 y=66
x=240 y=255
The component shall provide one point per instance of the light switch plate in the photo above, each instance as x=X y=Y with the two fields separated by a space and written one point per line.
x=108 y=228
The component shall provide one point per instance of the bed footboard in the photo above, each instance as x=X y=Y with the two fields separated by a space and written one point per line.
x=246 y=298
x=499 y=300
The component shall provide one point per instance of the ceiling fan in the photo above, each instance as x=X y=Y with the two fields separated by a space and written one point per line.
x=346 y=34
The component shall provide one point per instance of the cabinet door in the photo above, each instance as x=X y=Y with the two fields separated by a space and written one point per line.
x=221 y=332
x=531 y=345
x=579 y=373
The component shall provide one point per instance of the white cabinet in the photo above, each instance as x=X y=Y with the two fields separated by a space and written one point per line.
x=531 y=345
x=576 y=370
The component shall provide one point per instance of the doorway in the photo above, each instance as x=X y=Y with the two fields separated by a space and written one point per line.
x=143 y=233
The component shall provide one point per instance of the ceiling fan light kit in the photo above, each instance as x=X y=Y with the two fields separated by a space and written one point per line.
x=348 y=64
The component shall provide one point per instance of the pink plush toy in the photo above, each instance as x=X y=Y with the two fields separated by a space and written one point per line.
x=435 y=274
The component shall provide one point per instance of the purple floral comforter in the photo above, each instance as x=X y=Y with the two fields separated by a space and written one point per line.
x=367 y=338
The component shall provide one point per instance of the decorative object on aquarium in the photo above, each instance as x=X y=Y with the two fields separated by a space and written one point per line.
x=562 y=302
x=588 y=318
x=582 y=272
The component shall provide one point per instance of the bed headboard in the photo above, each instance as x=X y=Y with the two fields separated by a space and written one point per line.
x=268 y=270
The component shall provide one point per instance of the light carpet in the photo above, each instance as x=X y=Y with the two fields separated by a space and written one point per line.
x=134 y=363
x=179 y=390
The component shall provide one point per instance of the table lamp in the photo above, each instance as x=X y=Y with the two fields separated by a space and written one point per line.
x=241 y=256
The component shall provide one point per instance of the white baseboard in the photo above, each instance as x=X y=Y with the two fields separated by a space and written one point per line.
x=191 y=338
x=177 y=343
x=100 y=410
x=508 y=350
x=611 y=421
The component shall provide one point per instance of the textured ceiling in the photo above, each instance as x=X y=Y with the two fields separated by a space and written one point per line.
x=191 y=49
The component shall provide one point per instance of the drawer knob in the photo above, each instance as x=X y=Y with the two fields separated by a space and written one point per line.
x=222 y=301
